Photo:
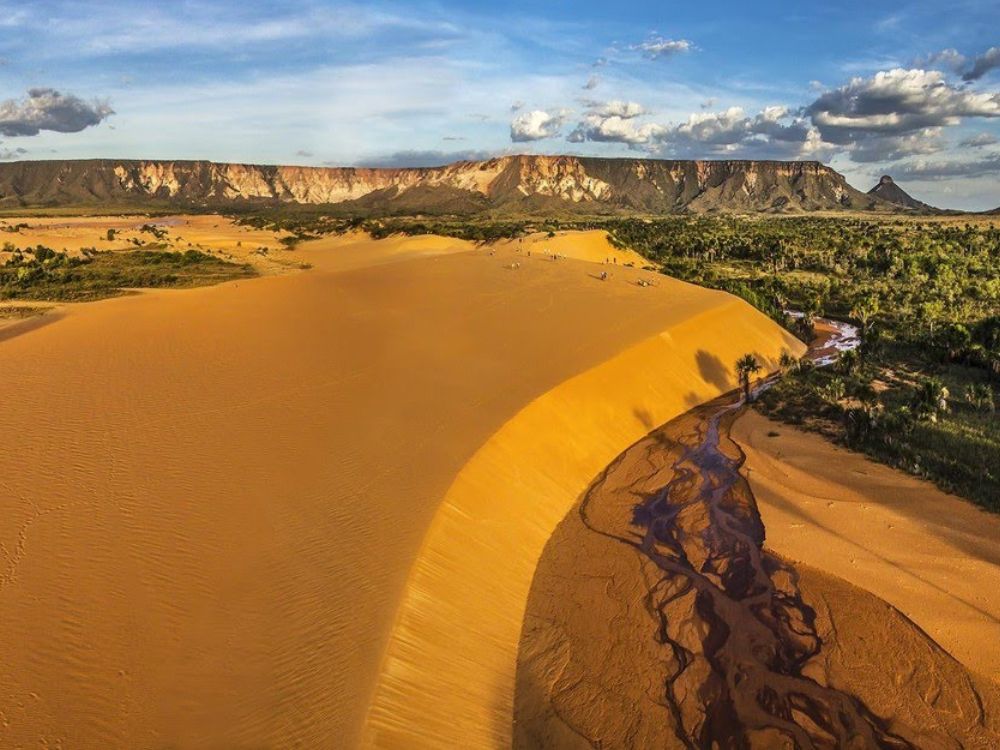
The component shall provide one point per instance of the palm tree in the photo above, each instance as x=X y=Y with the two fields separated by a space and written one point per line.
x=864 y=311
x=930 y=399
x=746 y=366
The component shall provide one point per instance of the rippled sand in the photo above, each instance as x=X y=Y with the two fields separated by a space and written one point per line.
x=213 y=498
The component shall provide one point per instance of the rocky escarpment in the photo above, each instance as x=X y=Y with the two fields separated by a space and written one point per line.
x=505 y=183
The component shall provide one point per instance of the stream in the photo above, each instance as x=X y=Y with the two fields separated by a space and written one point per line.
x=737 y=635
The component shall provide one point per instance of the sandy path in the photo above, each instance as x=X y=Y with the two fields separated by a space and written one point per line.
x=932 y=555
x=212 y=497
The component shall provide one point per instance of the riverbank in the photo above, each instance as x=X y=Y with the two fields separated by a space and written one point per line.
x=708 y=634
x=931 y=555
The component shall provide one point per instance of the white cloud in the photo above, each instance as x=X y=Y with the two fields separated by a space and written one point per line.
x=616 y=108
x=894 y=147
x=922 y=169
x=979 y=140
x=660 y=48
x=947 y=59
x=537 y=125
x=896 y=102
x=983 y=64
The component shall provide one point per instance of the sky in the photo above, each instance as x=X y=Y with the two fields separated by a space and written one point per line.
x=907 y=89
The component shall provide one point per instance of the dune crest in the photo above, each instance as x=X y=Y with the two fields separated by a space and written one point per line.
x=458 y=629
x=201 y=476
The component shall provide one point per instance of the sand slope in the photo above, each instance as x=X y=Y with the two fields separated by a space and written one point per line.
x=591 y=245
x=212 y=498
x=931 y=555
x=462 y=615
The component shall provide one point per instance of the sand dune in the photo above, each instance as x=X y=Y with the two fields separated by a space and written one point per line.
x=592 y=245
x=213 y=498
x=931 y=555
x=460 y=622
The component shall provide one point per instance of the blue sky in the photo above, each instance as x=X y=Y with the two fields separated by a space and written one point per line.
x=910 y=89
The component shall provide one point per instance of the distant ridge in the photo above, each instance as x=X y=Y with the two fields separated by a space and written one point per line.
x=505 y=184
x=888 y=190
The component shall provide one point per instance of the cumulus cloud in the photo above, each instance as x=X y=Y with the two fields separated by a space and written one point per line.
x=896 y=102
x=611 y=122
x=304 y=153
x=921 y=169
x=894 y=147
x=592 y=83
x=979 y=140
x=660 y=48
x=616 y=108
x=983 y=64
x=9 y=154
x=614 y=129
x=48 y=109
x=774 y=132
x=536 y=125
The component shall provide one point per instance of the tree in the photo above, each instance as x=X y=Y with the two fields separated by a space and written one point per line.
x=864 y=311
x=980 y=396
x=787 y=362
x=746 y=366
x=930 y=399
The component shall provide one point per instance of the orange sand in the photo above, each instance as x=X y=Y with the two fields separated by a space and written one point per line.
x=931 y=555
x=213 y=498
x=589 y=245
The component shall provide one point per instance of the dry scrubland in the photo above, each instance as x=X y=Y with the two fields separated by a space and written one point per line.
x=214 y=234
x=307 y=509
x=218 y=493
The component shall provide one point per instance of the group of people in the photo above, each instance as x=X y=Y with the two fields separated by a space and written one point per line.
x=604 y=275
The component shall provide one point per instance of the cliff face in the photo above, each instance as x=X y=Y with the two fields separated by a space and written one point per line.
x=510 y=182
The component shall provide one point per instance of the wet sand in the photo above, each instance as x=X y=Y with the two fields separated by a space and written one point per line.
x=213 y=498
x=933 y=556
x=658 y=618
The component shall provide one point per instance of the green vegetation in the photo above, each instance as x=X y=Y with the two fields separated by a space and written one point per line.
x=41 y=273
x=746 y=367
x=920 y=393
x=904 y=407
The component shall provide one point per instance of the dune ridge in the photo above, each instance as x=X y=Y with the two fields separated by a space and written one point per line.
x=459 y=625
x=201 y=476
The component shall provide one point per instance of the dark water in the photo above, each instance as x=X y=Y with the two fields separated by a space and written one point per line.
x=736 y=633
